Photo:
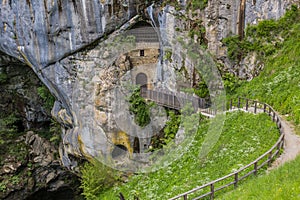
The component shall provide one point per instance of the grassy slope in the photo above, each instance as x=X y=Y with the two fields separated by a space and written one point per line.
x=237 y=146
x=278 y=85
x=283 y=183
x=279 y=82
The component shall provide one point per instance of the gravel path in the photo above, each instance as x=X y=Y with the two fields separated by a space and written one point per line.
x=291 y=145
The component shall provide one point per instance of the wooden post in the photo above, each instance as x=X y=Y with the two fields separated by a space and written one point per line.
x=185 y=197
x=238 y=102
x=273 y=115
x=269 y=159
x=265 y=107
x=255 y=106
x=269 y=111
x=255 y=168
x=247 y=104
x=212 y=191
x=279 y=123
x=230 y=104
x=236 y=179
x=278 y=148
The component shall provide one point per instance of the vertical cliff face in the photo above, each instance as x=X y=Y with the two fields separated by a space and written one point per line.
x=42 y=32
x=74 y=48
x=225 y=18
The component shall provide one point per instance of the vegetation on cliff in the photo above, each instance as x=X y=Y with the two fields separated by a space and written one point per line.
x=278 y=83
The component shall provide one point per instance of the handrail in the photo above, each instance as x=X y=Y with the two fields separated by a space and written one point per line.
x=177 y=100
x=268 y=154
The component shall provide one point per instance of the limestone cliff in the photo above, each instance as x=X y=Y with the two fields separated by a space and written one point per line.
x=79 y=52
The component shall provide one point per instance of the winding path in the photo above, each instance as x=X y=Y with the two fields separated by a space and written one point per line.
x=291 y=145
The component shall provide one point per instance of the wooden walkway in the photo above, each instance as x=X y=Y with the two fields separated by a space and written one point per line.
x=178 y=101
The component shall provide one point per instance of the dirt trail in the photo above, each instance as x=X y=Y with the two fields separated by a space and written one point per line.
x=291 y=145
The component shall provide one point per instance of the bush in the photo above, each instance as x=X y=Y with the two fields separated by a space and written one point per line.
x=96 y=178
x=264 y=38
x=46 y=96
x=139 y=108
x=197 y=4
x=3 y=78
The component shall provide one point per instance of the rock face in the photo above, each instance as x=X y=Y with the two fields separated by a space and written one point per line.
x=225 y=18
x=34 y=172
x=19 y=87
x=75 y=48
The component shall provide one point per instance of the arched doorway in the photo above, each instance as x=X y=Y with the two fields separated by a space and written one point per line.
x=119 y=150
x=141 y=79
x=136 y=145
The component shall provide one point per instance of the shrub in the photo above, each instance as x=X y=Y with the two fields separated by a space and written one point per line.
x=46 y=96
x=139 y=108
x=96 y=178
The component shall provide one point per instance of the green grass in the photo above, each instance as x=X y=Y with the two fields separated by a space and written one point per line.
x=244 y=137
x=279 y=83
x=283 y=184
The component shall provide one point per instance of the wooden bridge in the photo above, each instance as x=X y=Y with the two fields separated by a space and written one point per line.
x=178 y=100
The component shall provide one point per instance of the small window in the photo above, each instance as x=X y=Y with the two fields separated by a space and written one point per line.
x=142 y=53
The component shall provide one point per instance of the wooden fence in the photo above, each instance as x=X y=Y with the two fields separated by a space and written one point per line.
x=251 y=168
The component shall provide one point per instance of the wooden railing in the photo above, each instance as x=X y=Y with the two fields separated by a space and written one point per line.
x=253 y=167
x=178 y=100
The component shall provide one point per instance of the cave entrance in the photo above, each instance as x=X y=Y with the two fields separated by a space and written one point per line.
x=119 y=150
x=141 y=79
x=136 y=145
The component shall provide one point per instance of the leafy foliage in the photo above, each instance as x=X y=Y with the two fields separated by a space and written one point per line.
x=168 y=55
x=139 y=108
x=48 y=99
x=168 y=133
x=8 y=123
x=201 y=89
x=278 y=83
x=96 y=178
x=3 y=77
x=197 y=4
x=172 y=126
x=264 y=38
x=231 y=82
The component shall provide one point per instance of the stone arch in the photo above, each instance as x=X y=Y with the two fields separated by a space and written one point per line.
x=119 y=150
x=141 y=79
